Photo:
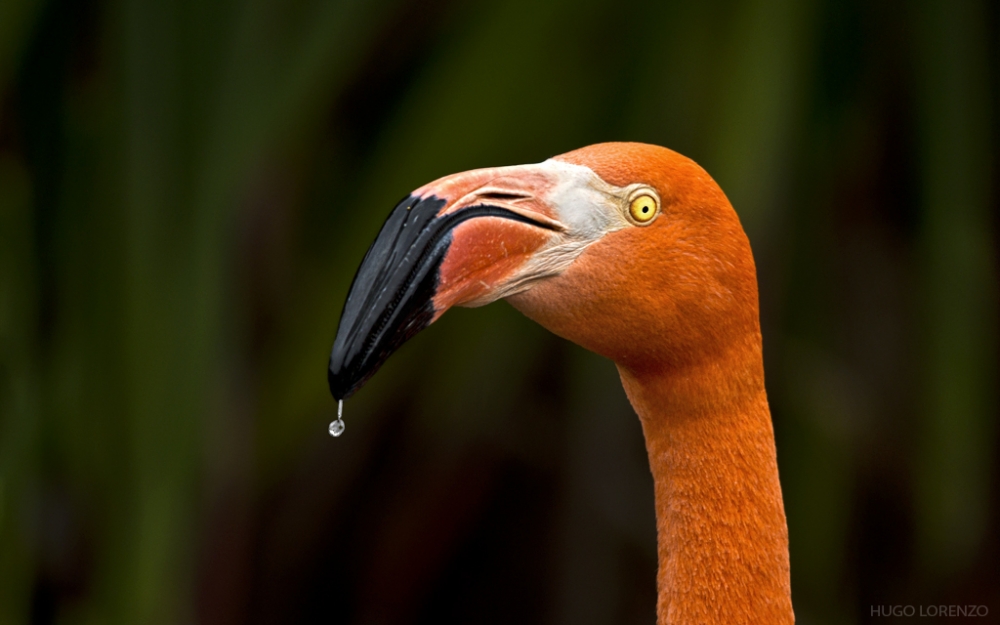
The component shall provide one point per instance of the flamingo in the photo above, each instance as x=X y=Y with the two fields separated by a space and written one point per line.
x=634 y=252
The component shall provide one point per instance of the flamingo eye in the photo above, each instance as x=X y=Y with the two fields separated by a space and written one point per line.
x=643 y=209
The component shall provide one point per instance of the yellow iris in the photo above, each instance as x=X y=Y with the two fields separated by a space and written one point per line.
x=643 y=208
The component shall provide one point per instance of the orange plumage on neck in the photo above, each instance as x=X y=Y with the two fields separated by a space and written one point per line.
x=674 y=305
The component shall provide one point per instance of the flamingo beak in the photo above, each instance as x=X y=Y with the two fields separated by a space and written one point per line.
x=462 y=240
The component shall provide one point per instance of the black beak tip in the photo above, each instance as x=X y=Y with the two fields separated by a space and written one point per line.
x=339 y=385
x=331 y=379
x=392 y=296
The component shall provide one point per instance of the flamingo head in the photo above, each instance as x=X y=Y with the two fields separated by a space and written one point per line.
x=629 y=250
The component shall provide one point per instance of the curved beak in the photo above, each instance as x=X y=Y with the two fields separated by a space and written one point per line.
x=466 y=239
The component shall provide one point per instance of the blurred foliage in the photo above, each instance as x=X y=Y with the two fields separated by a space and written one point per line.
x=186 y=189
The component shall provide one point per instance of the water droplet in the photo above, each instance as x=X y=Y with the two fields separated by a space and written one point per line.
x=337 y=427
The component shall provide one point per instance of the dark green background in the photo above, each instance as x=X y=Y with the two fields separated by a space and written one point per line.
x=187 y=187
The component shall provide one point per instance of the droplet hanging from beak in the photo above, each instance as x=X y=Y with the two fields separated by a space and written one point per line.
x=337 y=427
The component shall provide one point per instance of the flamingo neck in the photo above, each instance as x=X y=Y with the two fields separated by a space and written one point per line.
x=722 y=536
